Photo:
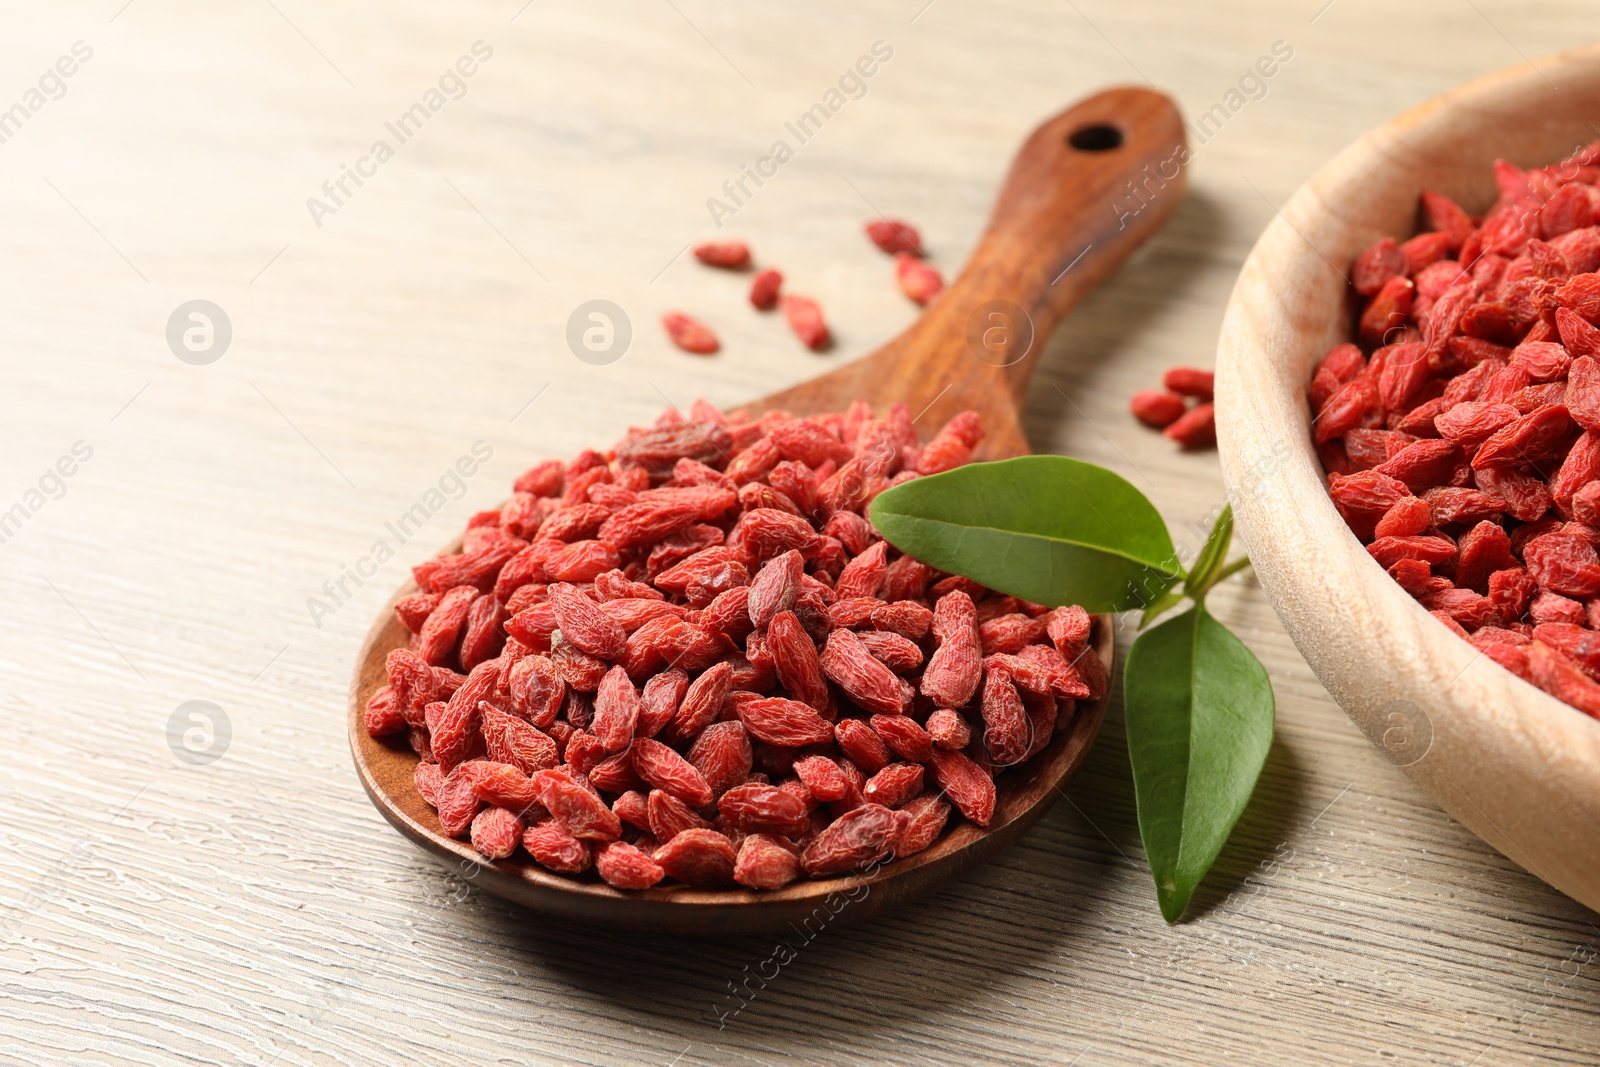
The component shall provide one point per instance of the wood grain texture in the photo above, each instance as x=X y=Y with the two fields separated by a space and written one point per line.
x=1515 y=764
x=257 y=910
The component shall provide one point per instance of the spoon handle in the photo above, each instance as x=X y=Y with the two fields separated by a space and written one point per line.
x=1085 y=190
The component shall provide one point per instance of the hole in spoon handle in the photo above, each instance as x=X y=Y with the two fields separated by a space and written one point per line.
x=1086 y=188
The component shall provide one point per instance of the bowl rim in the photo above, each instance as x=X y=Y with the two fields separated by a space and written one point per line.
x=1501 y=755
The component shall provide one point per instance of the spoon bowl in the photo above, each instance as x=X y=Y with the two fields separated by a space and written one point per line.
x=1056 y=230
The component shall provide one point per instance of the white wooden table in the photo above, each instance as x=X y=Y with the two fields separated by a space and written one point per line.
x=255 y=909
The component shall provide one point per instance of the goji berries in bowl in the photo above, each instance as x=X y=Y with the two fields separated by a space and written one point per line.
x=683 y=686
x=1512 y=762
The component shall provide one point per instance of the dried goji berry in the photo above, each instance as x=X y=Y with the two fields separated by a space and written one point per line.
x=1196 y=428
x=722 y=755
x=780 y=721
x=857 y=838
x=965 y=783
x=689 y=334
x=624 y=866
x=733 y=255
x=666 y=770
x=764 y=862
x=894 y=785
x=764 y=289
x=496 y=833
x=917 y=278
x=804 y=316
x=895 y=236
x=1190 y=381
x=952 y=674
x=1157 y=408
x=756 y=808
x=579 y=811
x=700 y=858
x=875 y=688
x=553 y=847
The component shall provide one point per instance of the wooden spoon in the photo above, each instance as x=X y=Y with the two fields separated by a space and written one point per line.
x=1086 y=189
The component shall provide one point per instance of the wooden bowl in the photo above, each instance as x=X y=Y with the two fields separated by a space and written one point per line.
x=1517 y=766
x=1024 y=795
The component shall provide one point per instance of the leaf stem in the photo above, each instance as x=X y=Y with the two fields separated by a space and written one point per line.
x=1231 y=569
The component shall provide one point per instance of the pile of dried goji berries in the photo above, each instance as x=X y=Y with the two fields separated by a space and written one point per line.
x=1465 y=449
x=693 y=658
x=1169 y=411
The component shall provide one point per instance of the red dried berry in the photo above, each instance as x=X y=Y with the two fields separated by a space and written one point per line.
x=954 y=669
x=623 y=866
x=780 y=721
x=722 y=754
x=1005 y=724
x=755 y=808
x=732 y=255
x=1197 y=428
x=553 y=847
x=928 y=815
x=917 y=279
x=904 y=736
x=664 y=769
x=795 y=659
x=804 y=316
x=1190 y=381
x=764 y=289
x=689 y=334
x=965 y=783
x=1156 y=408
x=700 y=858
x=856 y=839
x=703 y=701
x=583 y=623
x=894 y=785
x=580 y=812
x=895 y=236
x=847 y=663
x=496 y=833
x=765 y=862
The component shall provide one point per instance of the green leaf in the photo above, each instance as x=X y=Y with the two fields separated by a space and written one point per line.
x=1048 y=529
x=1199 y=712
x=1202 y=575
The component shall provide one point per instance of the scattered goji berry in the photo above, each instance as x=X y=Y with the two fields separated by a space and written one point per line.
x=689 y=334
x=804 y=316
x=895 y=236
x=732 y=255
